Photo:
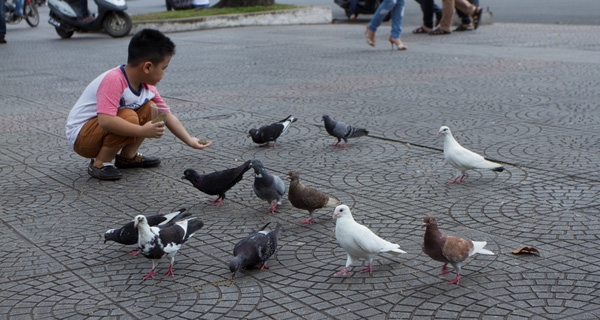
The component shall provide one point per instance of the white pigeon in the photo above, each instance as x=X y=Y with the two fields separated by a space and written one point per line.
x=359 y=241
x=463 y=159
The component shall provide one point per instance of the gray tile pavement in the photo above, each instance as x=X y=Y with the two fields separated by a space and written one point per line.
x=524 y=95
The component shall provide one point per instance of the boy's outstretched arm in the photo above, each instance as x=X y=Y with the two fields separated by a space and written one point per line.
x=179 y=131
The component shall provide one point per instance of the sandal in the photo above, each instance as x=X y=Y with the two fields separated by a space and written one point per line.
x=477 y=17
x=439 y=32
x=420 y=30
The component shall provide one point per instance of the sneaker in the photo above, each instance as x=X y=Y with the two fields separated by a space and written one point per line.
x=107 y=172
x=138 y=161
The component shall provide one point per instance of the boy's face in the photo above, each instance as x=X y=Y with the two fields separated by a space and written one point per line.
x=155 y=72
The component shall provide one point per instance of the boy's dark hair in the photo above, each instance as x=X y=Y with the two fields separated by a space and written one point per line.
x=149 y=45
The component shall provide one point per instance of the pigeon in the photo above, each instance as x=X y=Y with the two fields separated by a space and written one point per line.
x=449 y=249
x=218 y=182
x=462 y=159
x=255 y=249
x=308 y=198
x=128 y=234
x=267 y=133
x=164 y=241
x=267 y=186
x=359 y=241
x=341 y=131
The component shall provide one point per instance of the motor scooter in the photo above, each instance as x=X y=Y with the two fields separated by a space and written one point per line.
x=362 y=7
x=111 y=18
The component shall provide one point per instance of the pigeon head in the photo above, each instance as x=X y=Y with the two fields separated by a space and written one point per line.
x=429 y=221
x=140 y=219
x=257 y=165
x=188 y=174
x=252 y=132
x=325 y=118
x=341 y=211
x=293 y=176
x=110 y=235
x=444 y=130
x=235 y=265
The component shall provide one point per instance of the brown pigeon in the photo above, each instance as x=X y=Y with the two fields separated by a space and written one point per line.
x=307 y=198
x=449 y=249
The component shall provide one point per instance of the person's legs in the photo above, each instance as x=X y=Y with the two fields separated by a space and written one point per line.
x=380 y=13
x=464 y=18
x=19 y=7
x=447 y=13
x=353 y=4
x=2 y=23
x=397 y=18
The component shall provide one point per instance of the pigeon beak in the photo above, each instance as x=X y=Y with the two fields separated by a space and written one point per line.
x=424 y=225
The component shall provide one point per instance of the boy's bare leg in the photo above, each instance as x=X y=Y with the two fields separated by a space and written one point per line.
x=106 y=154
x=131 y=149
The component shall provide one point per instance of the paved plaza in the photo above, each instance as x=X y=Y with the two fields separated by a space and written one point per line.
x=522 y=95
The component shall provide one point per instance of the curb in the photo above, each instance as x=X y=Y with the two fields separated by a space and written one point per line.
x=304 y=15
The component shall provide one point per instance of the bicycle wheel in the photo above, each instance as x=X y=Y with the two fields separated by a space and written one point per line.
x=32 y=16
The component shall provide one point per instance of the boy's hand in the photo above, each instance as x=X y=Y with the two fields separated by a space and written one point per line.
x=199 y=144
x=154 y=130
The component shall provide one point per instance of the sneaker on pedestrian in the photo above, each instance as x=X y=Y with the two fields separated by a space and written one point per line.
x=138 y=161
x=107 y=172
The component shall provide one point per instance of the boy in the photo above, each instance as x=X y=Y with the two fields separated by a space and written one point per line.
x=113 y=115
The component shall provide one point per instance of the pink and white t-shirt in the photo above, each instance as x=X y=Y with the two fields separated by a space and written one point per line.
x=108 y=93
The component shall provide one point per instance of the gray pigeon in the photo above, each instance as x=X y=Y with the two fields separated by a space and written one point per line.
x=267 y=186
x=359 y=241
x=449 y=249
x=218 y=182
x=308 y=198
x=157 y=242
x=463 y=159
x=255 y=249
x=341 y=131
x=128 y=234
x=269 y=133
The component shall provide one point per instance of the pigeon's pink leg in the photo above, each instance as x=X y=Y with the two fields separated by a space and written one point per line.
x=335 y=144
x=272 y=208
x=343 y=146
x=149 y=274
x=264 y=266
x=456 y=280
x=217 y=202
x=170 y=271
x=134 y=252
x=307 y=221
x=343 y=272
x=368 y=269
x=444 y=269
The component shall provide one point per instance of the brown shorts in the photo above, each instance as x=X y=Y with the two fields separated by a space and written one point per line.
x=92 y=137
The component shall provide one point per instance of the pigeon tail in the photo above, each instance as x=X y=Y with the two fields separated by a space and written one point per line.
x=396 y=251
x=358 y=133
x=478 y=248
x=498 y=169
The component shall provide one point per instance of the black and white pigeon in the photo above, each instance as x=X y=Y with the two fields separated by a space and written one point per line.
x=128 y=234
x=463 y=159
x=341 y=131
x=308 y=198
x=268 y=187
x=359 y=241
x=254 y=250
x=218 y=182
x=449 y=249
x=269 y=133
x=157 y=242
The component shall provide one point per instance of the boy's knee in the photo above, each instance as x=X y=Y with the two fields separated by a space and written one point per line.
x=129 y=115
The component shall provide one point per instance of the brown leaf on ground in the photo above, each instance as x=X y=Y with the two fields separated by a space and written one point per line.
x=528 y=250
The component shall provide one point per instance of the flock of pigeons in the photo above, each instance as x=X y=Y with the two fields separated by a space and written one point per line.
x=163 y=235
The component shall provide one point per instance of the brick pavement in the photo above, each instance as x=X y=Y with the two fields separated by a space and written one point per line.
x=523 y=95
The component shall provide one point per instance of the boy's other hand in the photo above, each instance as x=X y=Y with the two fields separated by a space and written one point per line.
x=154 y=130
x=199 y=144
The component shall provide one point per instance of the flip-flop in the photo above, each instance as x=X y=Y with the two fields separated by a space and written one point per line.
x=477 y=17
x=420 y=30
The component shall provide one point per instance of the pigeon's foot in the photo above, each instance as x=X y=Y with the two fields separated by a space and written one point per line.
x=455 y=181
x=170 y=271
x=342 y=146
x=368 y=269
x=134 y=252
x=272 y=208
x=264 y=266
x=335 y=144
x=217 y=202
x=456 y=280
x=149 y=275
x=444 y=270
x=342 y=273
x=307 y=221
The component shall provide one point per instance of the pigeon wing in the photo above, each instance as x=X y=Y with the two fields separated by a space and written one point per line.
x=457 y=249
x=307 y=198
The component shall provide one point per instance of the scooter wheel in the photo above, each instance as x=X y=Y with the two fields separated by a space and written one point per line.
x=117 y=24
x=64 y=34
